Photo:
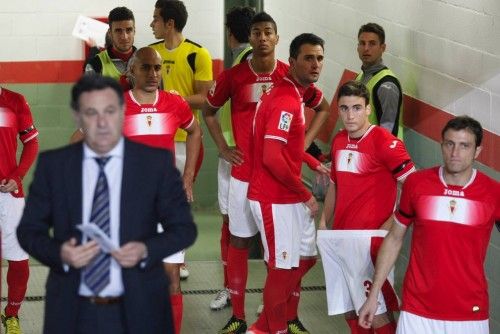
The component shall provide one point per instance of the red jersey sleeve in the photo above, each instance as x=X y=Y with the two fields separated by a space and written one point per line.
x=279 y=124
x=405 y=213
x=333 y=171
x=395 y=157
x=497 y=211
x=311 y=161
x=184 y=112
x=220 y=91
x=312 y=96
x=25 y=127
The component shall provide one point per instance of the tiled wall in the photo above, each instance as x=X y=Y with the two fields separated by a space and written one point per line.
x=39 y=31
x=446 y=53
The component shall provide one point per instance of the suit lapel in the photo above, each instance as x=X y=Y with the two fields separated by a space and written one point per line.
x=73 y=183
x=129 y=183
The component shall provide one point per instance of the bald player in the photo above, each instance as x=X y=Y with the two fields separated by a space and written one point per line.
x=152 y=117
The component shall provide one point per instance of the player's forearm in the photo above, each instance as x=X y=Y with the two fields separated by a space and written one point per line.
x=276 y=164
x=28 y=156
x=328 y=205
x=310 y=161
x=196 y=101
x=320 y=117
x=388 y=255
x=215 y=130
x=193 y=144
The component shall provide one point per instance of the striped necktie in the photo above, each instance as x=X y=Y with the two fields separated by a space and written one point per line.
x=96 y=275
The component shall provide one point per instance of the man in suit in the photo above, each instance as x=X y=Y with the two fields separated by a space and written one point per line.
x=123 y=188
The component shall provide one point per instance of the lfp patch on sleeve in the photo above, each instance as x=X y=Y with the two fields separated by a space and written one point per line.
x=285 y=121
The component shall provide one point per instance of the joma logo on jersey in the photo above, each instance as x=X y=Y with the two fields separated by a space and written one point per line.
x=353 y=146
x=456 y=193
x=149 y=109
x=263 y=79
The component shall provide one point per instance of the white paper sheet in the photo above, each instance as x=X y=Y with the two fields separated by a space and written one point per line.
x=87 y=28
x=92 y=231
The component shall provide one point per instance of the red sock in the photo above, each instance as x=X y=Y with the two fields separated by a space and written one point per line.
x=17 y=281
x=389 y=328
x=356 y=329
x=237 y=273
x=275 y=299
x=293 y=302
x=177 y=305
x=261 y=323
x=224 y=244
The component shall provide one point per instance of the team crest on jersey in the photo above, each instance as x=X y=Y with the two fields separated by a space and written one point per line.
x=149 y=120
x=285 y=121
x=349 y=158
x=284 y=255
x=212 y=89
x=453 y=206
x=265 y=88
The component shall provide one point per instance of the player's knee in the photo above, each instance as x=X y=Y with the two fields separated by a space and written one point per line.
x=240 y=242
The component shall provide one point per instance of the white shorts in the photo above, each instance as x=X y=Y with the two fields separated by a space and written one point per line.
x=223 y=176
x=348 y=262
x=11 y=211
x=287 y=232
x=180 y=155
x=241 y=221
x=410 y=323
x=176 y=257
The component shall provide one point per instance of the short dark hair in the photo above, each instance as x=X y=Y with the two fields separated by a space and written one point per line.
x=465 y=123
x=354 y=88
x=374 y=28
x=238 y=21
x=305 y=38
x=264 y=17
x=173 y=10
x=91 y=82
x=120 y=14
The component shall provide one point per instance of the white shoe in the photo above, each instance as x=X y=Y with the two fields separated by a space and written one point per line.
x=183 y=272
x=221 y=300
x=259 y=309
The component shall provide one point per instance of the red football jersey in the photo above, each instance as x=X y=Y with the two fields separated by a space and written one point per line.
x=279 y=116
x=452 y=225
x=244 y=87
x=15 y=120
x=365 y=172
x=155 y=124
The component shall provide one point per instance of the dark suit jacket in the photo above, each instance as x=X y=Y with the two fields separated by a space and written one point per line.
x=151 y=192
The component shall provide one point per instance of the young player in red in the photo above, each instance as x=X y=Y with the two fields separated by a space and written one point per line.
x=238 y=20
x=244 y=84
x=281 y=205
x=15 y=120
x=453 y=209
x=152 y=117
x=367 y=163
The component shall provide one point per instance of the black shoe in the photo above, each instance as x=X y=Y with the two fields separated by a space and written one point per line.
x=296 y=327
x=234 y=326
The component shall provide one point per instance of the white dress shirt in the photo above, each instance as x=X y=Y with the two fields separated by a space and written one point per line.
x=90 y=172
